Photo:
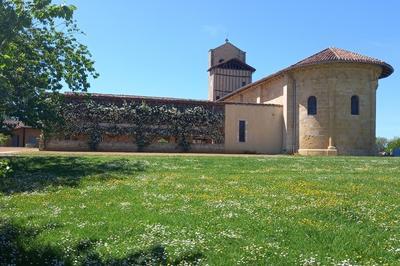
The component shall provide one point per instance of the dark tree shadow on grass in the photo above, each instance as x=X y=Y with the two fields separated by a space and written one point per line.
x=17 y=247
x=37 y=173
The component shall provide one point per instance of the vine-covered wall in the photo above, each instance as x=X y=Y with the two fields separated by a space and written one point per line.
x=96 y=119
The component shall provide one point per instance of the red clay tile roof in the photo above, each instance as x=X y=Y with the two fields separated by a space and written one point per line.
x=233 y=63
x=15 y=124
x=332 y=54
x=329 y=55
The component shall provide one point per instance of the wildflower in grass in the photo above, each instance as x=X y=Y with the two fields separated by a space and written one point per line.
x=55 y=211
x=229 y=215
x=310 y=261
x=229 y=233
x=252 y=254
x=262 y=212
x=125 y=205
x=346 y=262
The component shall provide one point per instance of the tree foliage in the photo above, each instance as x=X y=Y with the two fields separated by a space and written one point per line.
x=393 y=144
x=39 y=53
x=3 y=139
x=145 y=123
x=381 y=143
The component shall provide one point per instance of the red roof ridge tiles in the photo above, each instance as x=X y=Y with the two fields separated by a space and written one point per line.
x=333 y=54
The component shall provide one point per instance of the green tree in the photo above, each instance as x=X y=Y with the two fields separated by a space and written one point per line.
x=393 y=144
x=381 y=143
x=39 y=53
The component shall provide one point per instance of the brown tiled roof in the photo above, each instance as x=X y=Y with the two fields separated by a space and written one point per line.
x=329 y=55
x=333 y=54
x=233 y=63
x=15 y=124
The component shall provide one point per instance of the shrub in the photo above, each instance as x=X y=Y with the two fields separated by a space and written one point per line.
x=3 y=139
x=94 y=139
x=5 y=169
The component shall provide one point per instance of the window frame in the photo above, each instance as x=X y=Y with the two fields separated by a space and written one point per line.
x=242 y=131
x=312 y=105
x=355 y=105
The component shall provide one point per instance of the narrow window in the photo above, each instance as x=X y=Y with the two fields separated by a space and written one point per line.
x=355 y=105
x=312 y=105
x=242 y=131
x=243 y=83
x=218 y=97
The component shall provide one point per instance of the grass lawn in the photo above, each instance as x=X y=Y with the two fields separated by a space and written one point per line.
x=200 y=210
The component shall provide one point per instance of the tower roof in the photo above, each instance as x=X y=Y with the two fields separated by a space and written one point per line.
x=233 y=63
x=332 y=54
x=227 y=43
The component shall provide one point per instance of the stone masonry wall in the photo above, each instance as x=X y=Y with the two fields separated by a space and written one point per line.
x=334 y=125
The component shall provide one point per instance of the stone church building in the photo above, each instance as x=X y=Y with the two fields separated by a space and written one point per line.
x=322 y=105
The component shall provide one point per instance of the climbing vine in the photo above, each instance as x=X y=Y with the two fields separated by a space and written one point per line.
x=145 y=123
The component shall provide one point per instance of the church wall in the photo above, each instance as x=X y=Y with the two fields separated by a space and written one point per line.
x=334 y=129
x=288 y=132
x=263 y=128
x=267 y=92
x=272 y=92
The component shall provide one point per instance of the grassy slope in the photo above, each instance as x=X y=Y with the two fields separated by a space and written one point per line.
x=216 y=210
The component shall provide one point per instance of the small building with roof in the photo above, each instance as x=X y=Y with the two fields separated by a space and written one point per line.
x=22 y=135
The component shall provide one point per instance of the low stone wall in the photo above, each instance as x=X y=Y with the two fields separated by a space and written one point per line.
x=207 y=148
x=65 y=145
x=81 y=145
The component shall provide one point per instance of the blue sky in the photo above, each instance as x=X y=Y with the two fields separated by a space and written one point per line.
x=159 y=48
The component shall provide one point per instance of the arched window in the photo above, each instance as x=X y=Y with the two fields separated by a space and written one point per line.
x=355 y=105
x=312 y=105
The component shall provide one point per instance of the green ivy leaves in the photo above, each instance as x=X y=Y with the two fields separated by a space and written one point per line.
x=145 y=123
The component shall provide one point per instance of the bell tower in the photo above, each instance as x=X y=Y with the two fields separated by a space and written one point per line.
x=227 y=70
